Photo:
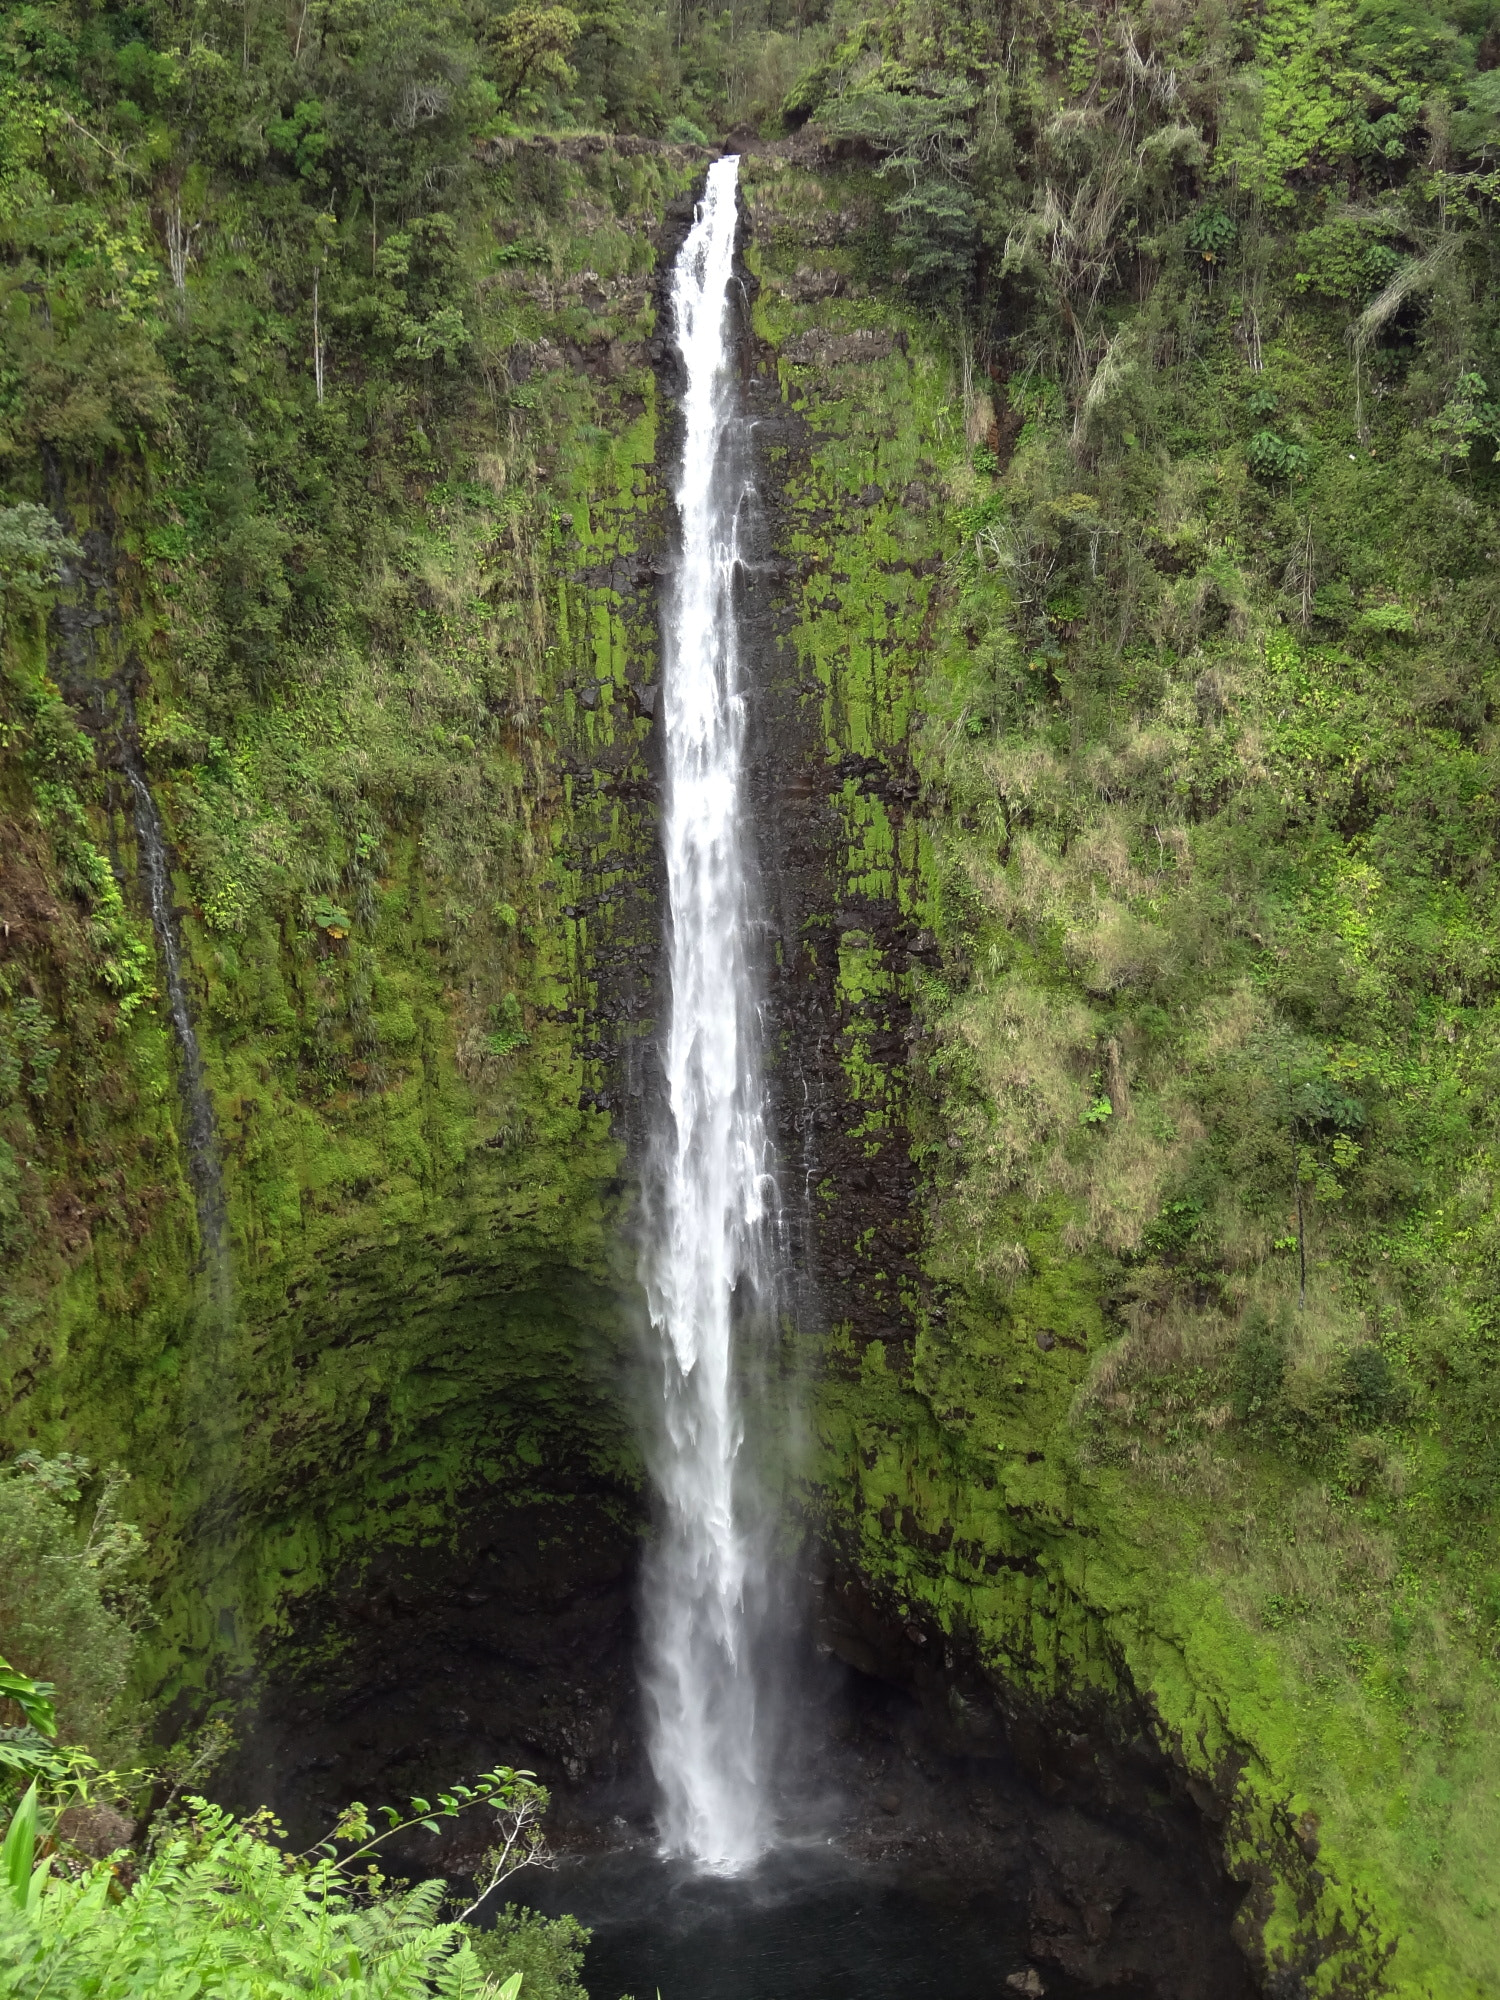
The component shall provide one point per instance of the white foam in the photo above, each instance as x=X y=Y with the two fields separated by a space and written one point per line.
x=710 y=1179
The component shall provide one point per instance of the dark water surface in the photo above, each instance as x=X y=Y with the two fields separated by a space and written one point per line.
x=808 y=1925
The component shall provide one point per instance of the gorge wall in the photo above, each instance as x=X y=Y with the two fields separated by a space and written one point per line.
x=416 y=894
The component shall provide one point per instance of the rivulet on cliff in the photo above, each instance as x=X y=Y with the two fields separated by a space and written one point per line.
x=1100 y=510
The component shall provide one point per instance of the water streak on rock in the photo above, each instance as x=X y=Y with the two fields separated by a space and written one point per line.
x=200 y=1137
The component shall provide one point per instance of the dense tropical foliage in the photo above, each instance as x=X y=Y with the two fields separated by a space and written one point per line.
x=1212 y=1051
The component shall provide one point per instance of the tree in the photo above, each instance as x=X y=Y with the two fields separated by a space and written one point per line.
x=531 y=46
x=922 y=124
x=66 y=1605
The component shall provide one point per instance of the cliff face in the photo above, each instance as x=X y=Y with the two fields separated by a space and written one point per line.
x=414 y=899
x=410 y=929
x=971 y=1551
x=415 y=1284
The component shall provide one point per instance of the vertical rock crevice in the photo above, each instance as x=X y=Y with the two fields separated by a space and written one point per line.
x=97 y=674
x=200 y=1132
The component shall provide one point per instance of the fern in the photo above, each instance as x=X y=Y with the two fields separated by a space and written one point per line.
x=222 y=1910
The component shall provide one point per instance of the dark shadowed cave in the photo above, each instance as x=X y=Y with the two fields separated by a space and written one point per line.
x=518 y=1646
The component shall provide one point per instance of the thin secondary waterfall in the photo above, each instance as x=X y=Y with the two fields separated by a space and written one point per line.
x=709 y=1198
x=200 y=1140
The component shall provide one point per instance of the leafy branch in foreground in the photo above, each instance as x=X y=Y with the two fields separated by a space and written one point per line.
x=519 y=1804
x=30 y=1752
x=22 y=1747
x=222 y=1907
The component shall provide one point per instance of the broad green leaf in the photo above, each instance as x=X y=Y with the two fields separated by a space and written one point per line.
x=38 y=1881
x=17 y=1850
x=32 y=1697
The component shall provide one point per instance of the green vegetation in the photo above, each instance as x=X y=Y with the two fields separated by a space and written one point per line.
x=67 y=1605
x=305 y=459
x=172 y=1933
x=108 y=1886
x=1147 y=369
x=218 y=1905
x=545 y=1953
x=1209 y=740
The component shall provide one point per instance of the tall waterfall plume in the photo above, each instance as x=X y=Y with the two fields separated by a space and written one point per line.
x=710 y=1193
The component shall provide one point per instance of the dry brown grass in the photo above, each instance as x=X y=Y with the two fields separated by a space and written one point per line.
x=1130 y=1176
x=1060 y=854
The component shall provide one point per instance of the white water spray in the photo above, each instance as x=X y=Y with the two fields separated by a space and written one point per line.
x=710 y=1190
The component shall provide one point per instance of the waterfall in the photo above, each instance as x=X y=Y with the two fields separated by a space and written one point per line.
x=709 y=1194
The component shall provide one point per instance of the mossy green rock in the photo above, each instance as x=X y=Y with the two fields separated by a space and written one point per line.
x=412 y=890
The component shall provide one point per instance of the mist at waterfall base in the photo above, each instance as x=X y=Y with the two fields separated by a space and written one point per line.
x=805 y=1924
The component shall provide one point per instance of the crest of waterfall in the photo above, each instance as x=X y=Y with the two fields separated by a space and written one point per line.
x=710 y=1194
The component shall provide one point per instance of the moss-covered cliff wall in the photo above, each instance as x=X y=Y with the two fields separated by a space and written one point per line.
x=1122 y=768
x=395 y=900
x=1014 y=1154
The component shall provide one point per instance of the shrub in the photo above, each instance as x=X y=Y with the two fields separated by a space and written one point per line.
x=33 y=547
x=1369 y=1385
x=1211 y=233
x=1258 y=1370
x=67 y=1608
x=222 y=1909
x=546 y=1951
x=1273 y=457
x=1343 y=260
